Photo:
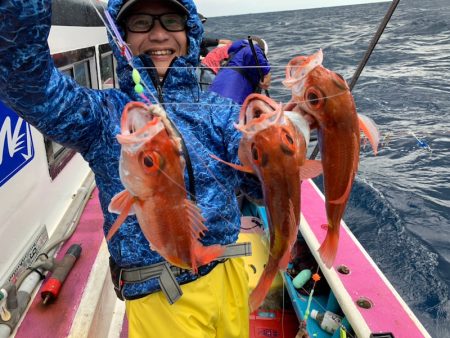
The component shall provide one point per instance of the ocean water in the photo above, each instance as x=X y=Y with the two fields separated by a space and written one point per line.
x=400 y=203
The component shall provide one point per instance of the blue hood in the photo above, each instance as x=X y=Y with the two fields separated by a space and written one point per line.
x=88 y=121
x=183 y=74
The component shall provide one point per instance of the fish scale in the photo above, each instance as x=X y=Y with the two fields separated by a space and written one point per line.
x=324 y=95
x=274 y=149
x=151 y=170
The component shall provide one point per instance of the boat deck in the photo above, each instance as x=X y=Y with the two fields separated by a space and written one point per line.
x=88 y=307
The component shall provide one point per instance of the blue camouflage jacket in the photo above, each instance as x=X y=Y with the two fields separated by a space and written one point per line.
x=87 y=120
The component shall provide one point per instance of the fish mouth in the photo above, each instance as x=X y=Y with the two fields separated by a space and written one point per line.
x=294 y=107
x=257 y=108
x=258 y=112
x=139 y=124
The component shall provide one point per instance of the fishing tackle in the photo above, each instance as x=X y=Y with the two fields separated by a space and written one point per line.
x=422 y=144
x=315 y=277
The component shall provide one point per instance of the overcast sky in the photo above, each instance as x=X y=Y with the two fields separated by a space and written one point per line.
x=211 y=8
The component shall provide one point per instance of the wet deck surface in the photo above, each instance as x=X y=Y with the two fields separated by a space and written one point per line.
x=55 y=319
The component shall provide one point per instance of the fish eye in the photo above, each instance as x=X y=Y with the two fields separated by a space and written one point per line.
x=313 y=99
x=340 y=76
x=289 y=138
x=148 y=161
x=151 y=162
x=255 y=154
x=287 y=146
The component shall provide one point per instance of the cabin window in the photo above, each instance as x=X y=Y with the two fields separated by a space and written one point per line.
x=79 y=65
x=82 y=74
x=108 y=78
x=107 y=71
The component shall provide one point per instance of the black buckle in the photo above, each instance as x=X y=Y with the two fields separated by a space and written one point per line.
x=116 y=276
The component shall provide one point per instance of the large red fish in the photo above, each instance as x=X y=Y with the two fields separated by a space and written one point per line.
x=274 y=148
x=325 y=95
x=151 y=169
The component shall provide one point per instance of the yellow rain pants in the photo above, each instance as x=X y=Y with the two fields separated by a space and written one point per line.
x=215 y=305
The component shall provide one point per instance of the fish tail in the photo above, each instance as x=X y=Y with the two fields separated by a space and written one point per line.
x=328 y=249
x=370 y=129
x=262 y=288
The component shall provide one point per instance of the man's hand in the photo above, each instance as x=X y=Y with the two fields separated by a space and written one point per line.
x=265 y=83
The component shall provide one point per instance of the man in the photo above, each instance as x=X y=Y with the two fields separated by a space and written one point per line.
x=164 y=36
x=245 y=70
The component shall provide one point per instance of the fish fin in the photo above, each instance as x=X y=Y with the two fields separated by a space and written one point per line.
x=235 y=166
x=259 y=293
x=328 y=249
x=370 y=129
x=293 y=224
x=122 y=204
x=273 y=267
x=195 y=219
x=202 y=255
x=311 y=169
x=121 y=201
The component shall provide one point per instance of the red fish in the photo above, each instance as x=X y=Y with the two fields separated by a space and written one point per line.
x=151 y=169
x=326 y=97
x=274 y=148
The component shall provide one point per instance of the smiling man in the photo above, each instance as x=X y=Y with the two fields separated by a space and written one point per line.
x=156 y=28
x=164 y=35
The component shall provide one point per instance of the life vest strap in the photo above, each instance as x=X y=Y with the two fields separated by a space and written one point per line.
x=167 y=273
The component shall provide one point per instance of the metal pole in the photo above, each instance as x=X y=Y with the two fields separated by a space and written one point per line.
x=373 y=43
x=261 y=75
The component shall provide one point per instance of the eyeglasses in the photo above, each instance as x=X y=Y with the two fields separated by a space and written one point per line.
x=143 y=23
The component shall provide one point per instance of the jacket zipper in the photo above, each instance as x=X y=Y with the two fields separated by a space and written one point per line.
x=158 y=85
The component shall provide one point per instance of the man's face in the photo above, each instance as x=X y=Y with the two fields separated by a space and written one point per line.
x=161 y=45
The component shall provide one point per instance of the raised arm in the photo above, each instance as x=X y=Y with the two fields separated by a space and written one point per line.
x=32 y=86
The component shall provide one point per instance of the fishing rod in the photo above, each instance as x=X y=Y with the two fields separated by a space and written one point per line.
x=258 y=66
x=367 y=55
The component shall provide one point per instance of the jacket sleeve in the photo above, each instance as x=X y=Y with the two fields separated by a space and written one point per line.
x=32 y=86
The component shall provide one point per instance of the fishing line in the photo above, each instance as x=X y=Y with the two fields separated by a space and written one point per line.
x=121 y=45
x=240 y=105
x=312 y=299
x=139 y=89
x=385 y=137
x=228 y=67
x=214 y=176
